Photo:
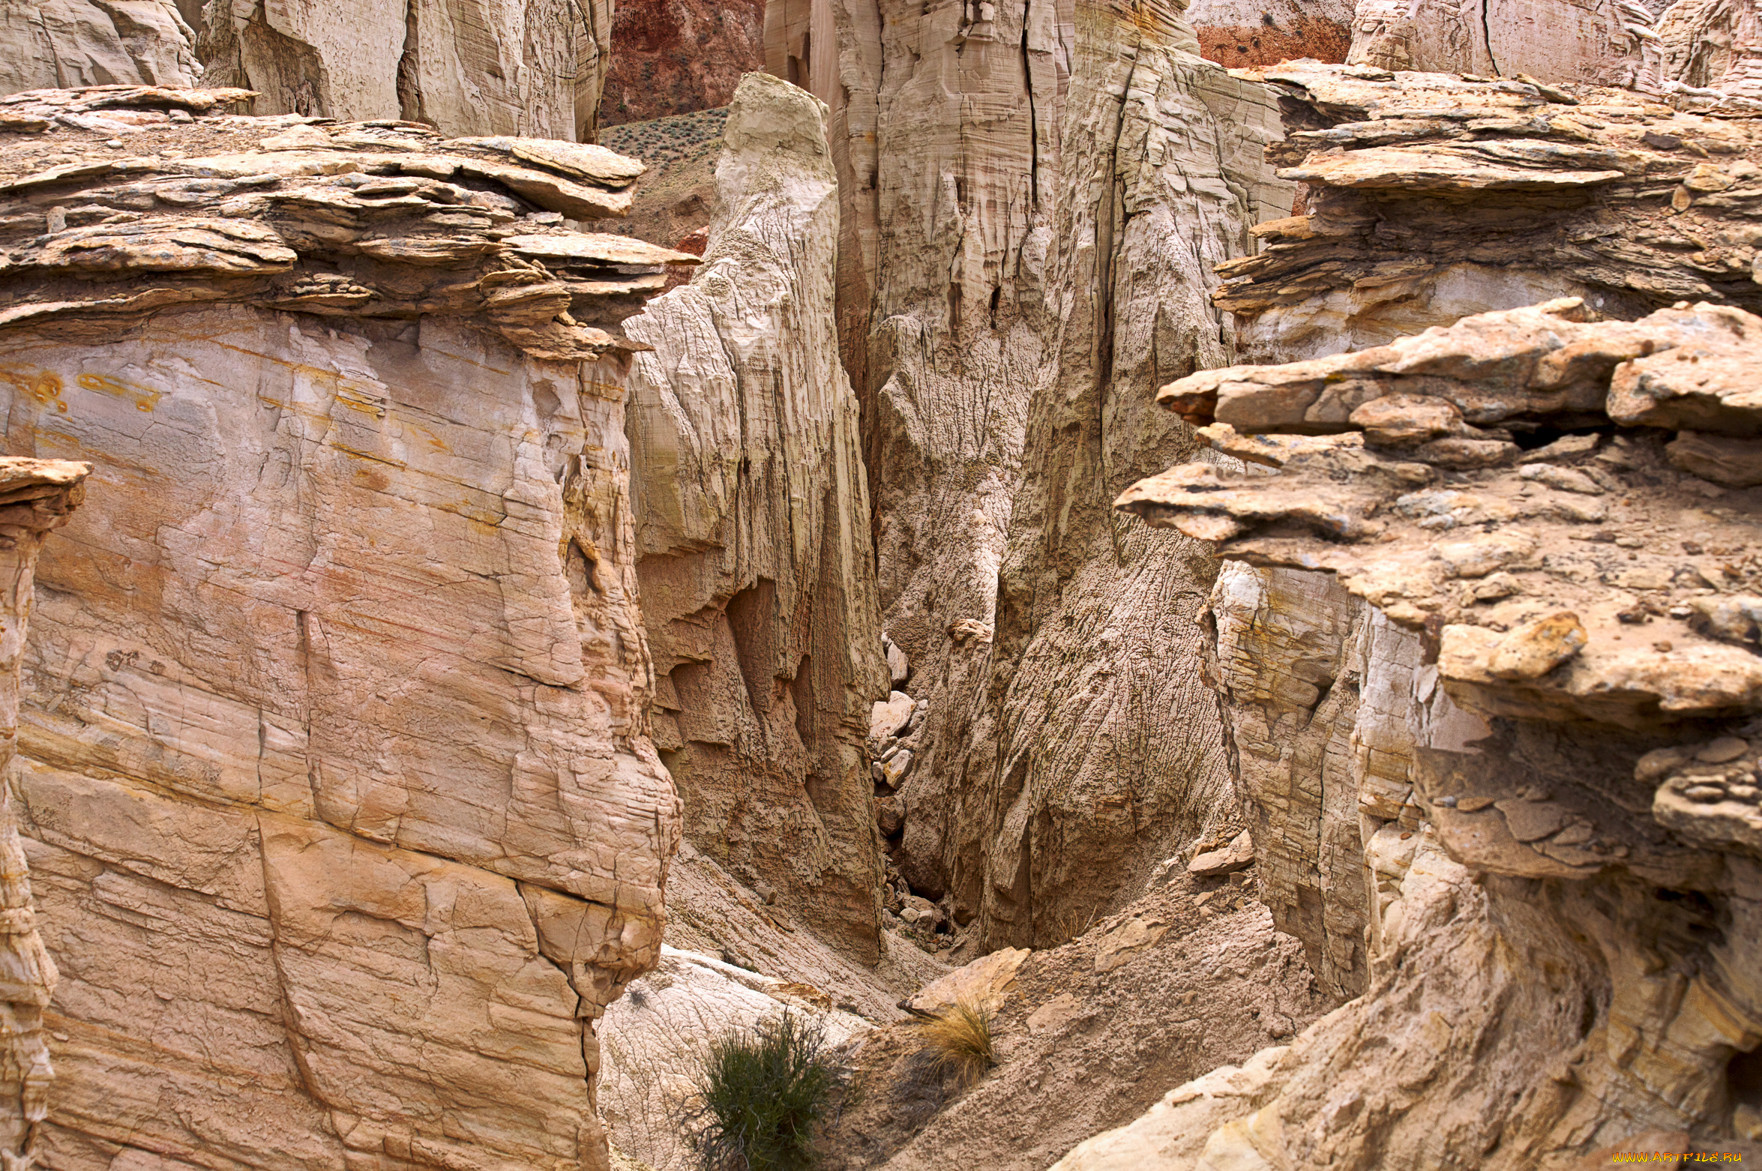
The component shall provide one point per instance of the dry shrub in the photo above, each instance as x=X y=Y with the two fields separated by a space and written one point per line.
x=959 y=1041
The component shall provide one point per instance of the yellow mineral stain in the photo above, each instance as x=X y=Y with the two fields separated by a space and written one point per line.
x=146 y=398
x=42 y=385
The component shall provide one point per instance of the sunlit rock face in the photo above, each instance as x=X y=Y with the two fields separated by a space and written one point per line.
x=334 y=771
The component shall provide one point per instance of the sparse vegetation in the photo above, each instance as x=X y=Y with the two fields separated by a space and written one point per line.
x=762 y=1095
x=959 y=1039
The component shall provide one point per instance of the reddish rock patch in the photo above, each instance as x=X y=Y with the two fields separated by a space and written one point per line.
x=1248 y=46
x=678 y=56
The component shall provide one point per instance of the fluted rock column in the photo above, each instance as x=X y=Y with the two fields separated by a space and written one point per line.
x=36 y=497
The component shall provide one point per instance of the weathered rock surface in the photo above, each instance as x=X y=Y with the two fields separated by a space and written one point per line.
x=36 y=497
x=1092 y=749
x=678 y=56
x=1241 y=34
x=48 y=44
x=530 y=67
x=1429 y=197
x=1601 y=42
x=336 y=785
x=1578 y=850
x=752 y=520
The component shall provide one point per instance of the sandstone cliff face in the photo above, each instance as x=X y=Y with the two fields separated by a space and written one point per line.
x=335 y=779
x=38 y=496
x=757 y=578
x=1060 y=786
x=1563 y=952
x=480 y=67
x=678 y=56
x=53 y=43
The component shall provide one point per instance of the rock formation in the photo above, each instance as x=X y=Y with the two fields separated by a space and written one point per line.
x=1246 y=33
x=336 y=785
x=532 y=67
x=1069 y=778
x=752 y=511
x=1551 y=516
x=55 y=43
x=678 y=56
x=38 y=496
x=1596 y=41
x=1430 y=197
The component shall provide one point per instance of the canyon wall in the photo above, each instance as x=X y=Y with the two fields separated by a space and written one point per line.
x=1601 y=42
x=36 y=497
x=335 y=778
x=483 y=67
x=758 y=582
x=55 y=43
x=1094 y=745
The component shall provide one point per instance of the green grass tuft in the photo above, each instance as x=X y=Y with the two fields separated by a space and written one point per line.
x=761 y=1096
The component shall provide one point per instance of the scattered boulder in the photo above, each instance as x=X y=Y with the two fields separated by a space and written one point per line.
x=1238 y=855
x=984 y=983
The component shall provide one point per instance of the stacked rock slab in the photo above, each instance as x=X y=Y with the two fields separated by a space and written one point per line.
x=343 y=818
x=36 y=497
x=1429 y=197
x=1550 y=509
x=758 y=582
x=533 y=67
x=55 y=43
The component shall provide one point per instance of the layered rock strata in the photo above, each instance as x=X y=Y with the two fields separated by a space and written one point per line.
x=679 y=56
x=1429 y=197
x=1549 y=514
x=1092 y=743
x=36 y=497
x=61 y=43
x=533 y=67
x=752 y=509
x=342 y=814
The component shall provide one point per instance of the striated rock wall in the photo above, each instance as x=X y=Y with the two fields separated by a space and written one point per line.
x=757 y=577
x=36 y=496
x=1601 y=42
x=335 y=781
x=480 y=67
x=51 y=43
x=677 y=56
x=945 y=129
x=1563 y=947
x=1087 y=756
